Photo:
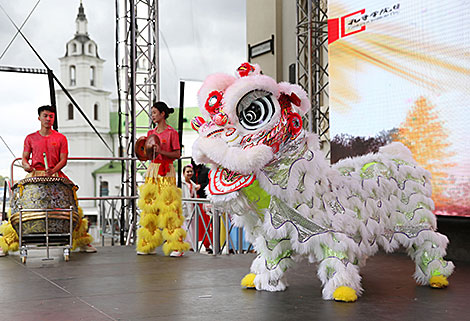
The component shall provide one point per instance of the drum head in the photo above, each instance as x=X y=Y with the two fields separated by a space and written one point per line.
x=152 y=141
x=43 y=179
x=140 y=149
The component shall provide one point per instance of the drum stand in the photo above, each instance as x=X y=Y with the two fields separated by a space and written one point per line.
x=46 y=235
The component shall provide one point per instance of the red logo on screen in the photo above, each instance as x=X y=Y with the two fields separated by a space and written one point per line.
x=356 y=22
x=344 y=22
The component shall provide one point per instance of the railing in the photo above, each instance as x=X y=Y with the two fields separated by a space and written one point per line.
x=212 y=228
x=110 y=222
x=209 y=226
x=109 y=216
x=128 y=222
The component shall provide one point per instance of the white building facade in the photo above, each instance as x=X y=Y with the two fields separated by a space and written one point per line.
x=81 y=72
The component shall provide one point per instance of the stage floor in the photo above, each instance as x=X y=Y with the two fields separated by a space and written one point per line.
x=116 y=284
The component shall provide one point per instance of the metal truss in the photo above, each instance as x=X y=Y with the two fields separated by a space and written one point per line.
x=137 y=81
x=23 y=70
x=312 y=65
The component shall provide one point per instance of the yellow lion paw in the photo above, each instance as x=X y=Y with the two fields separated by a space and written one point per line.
x=438 y=282
x=345 y=294
x=249 y=281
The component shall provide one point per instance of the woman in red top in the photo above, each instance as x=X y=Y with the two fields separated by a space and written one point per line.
x=160 y=200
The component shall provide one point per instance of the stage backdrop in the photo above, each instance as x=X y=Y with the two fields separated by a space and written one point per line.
x=400 y=71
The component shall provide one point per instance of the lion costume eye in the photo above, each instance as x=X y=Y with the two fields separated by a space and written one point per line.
x=255 y=109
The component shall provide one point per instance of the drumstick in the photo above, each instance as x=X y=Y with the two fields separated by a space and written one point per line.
x=45 y=160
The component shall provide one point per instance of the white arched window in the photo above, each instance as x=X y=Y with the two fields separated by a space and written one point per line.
x=74 y=48
x=70 y=111
x=96 y=112
x=90 y=48
x=92 y=76
x=73 y=76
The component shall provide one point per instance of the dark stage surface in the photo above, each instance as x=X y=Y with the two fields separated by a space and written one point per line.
x=115 y=284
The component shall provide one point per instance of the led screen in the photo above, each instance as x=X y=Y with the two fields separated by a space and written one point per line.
x=399 y=71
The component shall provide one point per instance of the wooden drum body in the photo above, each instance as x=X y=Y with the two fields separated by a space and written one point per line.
x=40 y=193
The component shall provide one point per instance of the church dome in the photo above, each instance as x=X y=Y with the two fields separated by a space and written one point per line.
x=81 y=44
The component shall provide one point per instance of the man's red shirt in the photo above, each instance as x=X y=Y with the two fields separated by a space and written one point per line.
x=53 y=145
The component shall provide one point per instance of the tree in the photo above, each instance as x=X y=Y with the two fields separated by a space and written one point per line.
x=345 y=145
x=425 y=135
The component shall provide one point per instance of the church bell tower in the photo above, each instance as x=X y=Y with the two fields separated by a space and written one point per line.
x=81 y=72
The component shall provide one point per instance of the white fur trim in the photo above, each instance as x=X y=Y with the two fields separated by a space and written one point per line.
x=219 y=82
x=398 y=150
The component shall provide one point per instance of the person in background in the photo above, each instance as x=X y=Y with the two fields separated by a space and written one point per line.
x=189 y=189
x=201 y=177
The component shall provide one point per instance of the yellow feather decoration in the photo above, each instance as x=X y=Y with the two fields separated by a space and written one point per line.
x=345 y=294
x=438 y=282
x=249 y=281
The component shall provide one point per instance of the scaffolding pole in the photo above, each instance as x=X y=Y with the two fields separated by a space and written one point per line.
x=138 y=87
x=312 y=65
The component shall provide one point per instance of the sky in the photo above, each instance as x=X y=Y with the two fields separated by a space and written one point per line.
x=197 y=38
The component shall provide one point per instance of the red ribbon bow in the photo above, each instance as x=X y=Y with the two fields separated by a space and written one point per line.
x=164 y=167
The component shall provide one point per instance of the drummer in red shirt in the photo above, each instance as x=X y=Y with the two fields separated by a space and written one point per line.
x=49 y=148
x=48 y=151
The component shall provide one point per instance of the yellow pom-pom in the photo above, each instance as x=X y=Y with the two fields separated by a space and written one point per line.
x=171 y=246
x=148 y=220
x=6 y=228
x=79 y=230
x=3 y=245
x=14 y=246
x=80 y=235
x=438 y=282
x=345 y=294
x=249 y=281
x=175 y=235
x=9 y=241
x=146 y=241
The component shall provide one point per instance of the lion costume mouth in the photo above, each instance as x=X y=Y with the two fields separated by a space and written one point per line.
x=224 y=181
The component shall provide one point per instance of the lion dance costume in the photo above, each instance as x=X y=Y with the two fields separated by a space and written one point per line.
x=292 y=203
x=160 y=201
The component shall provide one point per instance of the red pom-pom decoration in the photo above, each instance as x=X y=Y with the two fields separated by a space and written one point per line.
x=197 y=122
x=245 y=69
x=220 y=119
x=295 y=123
x=213 y=102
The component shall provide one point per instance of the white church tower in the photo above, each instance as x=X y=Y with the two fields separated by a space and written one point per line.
x=82 y=74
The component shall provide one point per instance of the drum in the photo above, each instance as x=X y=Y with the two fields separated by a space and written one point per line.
x=150 y=143
x=39 y=193
x=140 y=149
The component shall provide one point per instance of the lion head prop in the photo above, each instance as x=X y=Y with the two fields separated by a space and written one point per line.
x=251 y=118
